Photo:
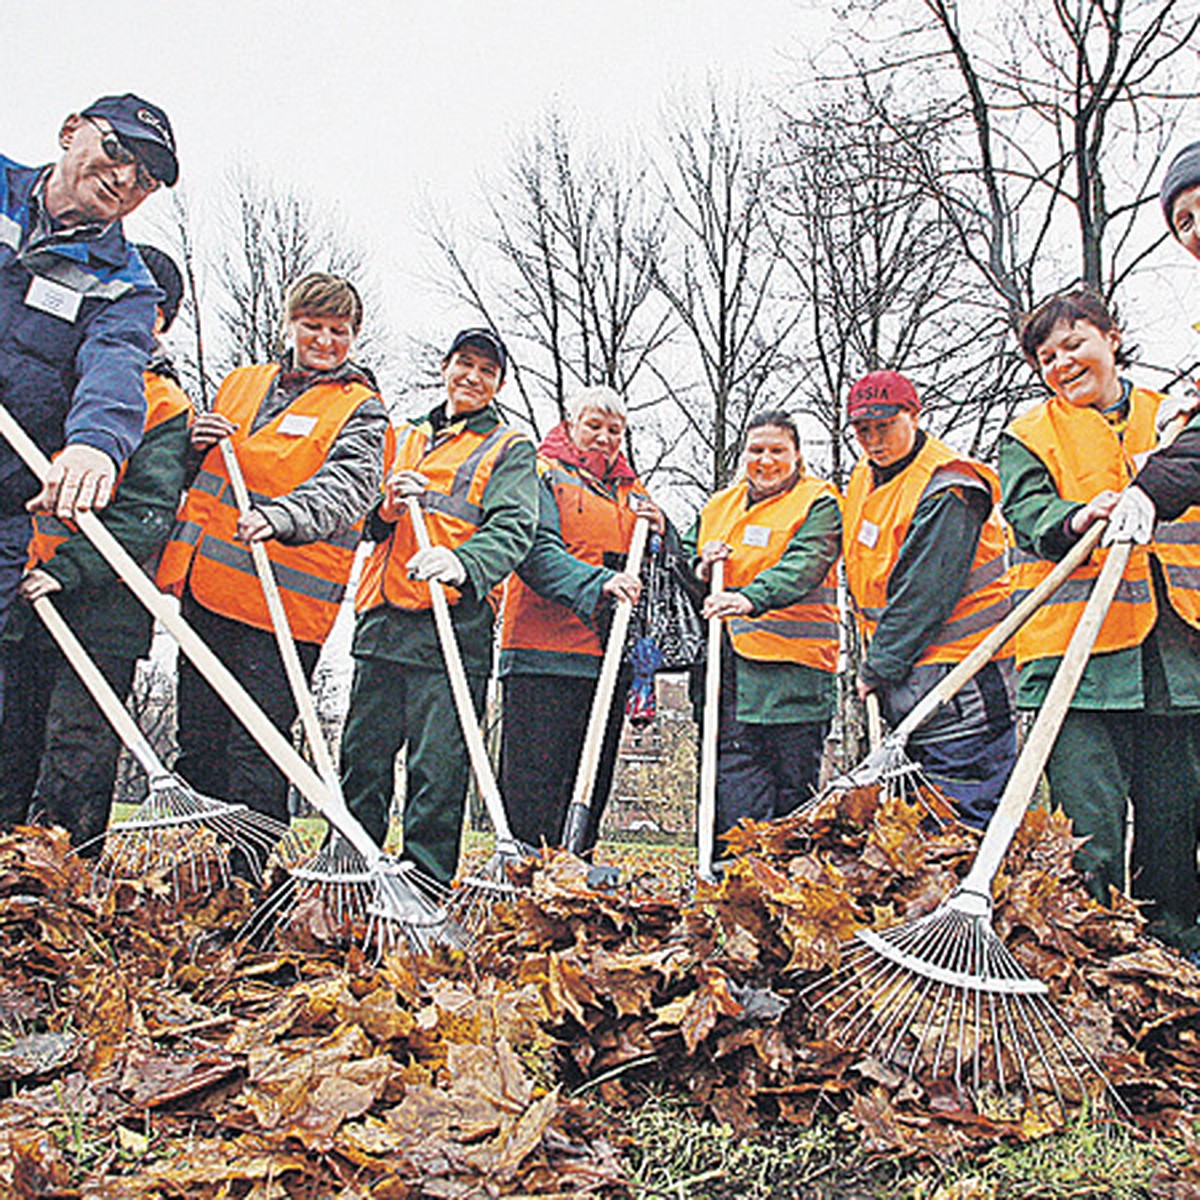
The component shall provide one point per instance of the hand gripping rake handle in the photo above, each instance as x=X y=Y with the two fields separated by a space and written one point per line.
x=472 y=735
x=575 y=826
x=224 y=682
x=334 y=807
x=706 y=815
x=101 y=690
x=981 y=655
x=1008 y=815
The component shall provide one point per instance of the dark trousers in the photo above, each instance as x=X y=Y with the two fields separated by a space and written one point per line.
x=393 y=705
x=58 y=749
x=763 y=771
x=1100 y=759
x=545 y=723
x=14 y=551
x=217 y=755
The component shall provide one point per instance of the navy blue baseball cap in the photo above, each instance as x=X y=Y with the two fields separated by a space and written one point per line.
x=487 y=340
x=144 y=127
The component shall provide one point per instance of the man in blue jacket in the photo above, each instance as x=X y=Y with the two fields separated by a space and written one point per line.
x=77 y=308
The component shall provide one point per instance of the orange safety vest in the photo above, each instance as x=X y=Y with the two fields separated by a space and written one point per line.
x=1085 y=455
x=458 y=462
x=805 y=632
x=203 y=552
x=164 y=399
x=593 y=522
x=877 y=522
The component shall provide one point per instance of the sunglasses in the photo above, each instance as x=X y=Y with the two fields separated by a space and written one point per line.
x=118 y=152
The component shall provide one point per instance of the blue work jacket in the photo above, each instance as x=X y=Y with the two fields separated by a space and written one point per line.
x=76 y=330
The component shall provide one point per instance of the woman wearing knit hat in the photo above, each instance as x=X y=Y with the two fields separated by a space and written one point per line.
x=1180 y=198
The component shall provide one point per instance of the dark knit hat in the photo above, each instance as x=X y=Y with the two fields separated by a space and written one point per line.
x=170 y=282
x=1183 y=173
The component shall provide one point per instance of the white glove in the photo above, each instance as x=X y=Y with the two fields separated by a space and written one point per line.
x=1174 y=405
x=1132 y=518
x=439 y=563
x=408 y=483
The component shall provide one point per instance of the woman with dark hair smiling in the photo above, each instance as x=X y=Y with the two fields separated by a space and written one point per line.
x=778 y=532
x=1130 y=734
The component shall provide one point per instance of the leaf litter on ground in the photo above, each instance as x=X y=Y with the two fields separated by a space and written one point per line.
x=144 y=1053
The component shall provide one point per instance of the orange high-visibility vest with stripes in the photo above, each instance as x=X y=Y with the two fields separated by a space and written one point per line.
x=458 y=462
x=164 y=399
x=877 y=522
x=1086 y=455
x=593 y=522
x=203 y=552
x=805 y=632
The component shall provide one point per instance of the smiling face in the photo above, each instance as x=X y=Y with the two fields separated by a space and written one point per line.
x=1077 y=362
x=85 y=184
x=472 y=379
x=1185 y=219
x=772 y=458
x=886 y=440
x=595 y=430
x=320 y=343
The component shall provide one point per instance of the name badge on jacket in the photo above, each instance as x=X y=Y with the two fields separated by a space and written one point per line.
x=868 y=534
x=297 y=425
x=756 y=535
x=56 y=299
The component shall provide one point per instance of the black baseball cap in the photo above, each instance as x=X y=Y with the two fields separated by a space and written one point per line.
x=486 y=340
x=170 y=282
x=144 y=127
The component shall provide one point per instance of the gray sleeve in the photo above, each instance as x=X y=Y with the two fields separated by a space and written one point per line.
x=344 y=487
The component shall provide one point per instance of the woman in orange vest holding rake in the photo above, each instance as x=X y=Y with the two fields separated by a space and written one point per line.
x=309 y=433
x=1130 y=734
x=778 y=532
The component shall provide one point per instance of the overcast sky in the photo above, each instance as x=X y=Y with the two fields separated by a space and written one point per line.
x=373 y=106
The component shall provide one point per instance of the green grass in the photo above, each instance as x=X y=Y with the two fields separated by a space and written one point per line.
x=675 y=1153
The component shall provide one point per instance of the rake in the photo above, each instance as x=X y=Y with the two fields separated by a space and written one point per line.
x=395 y=912
x=478 y=893
x=349 y=877
x=579 y=810
x=887 y=763
x=706 y=812
x=942 y=993
x=164 y=826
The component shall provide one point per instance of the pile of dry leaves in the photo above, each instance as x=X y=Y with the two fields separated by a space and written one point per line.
x=144 y=1054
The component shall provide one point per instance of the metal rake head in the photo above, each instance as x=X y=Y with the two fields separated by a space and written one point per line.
x=386 y=906
x=475 y=897
x=198 y=843
x=897 y=776
x=941 y=998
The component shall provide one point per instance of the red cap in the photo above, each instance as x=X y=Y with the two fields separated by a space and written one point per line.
x=880 y=395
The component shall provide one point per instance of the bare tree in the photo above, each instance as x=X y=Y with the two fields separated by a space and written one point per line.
x=562 y=268
x=718 y=273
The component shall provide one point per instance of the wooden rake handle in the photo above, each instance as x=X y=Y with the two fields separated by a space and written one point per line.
x=1034 y=754
x=575 y=826
x=481 y=765
x=292 y=666
x=706 y=815
x=101 y=690
x=221 y=679
x=981 y=655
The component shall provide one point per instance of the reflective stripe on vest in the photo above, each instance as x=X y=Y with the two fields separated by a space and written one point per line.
x=458 y=462
x=592 y=522
x=164 y=399
x=805 y=632
x=1085 y=455
x=877 y=522
x=204 y=553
